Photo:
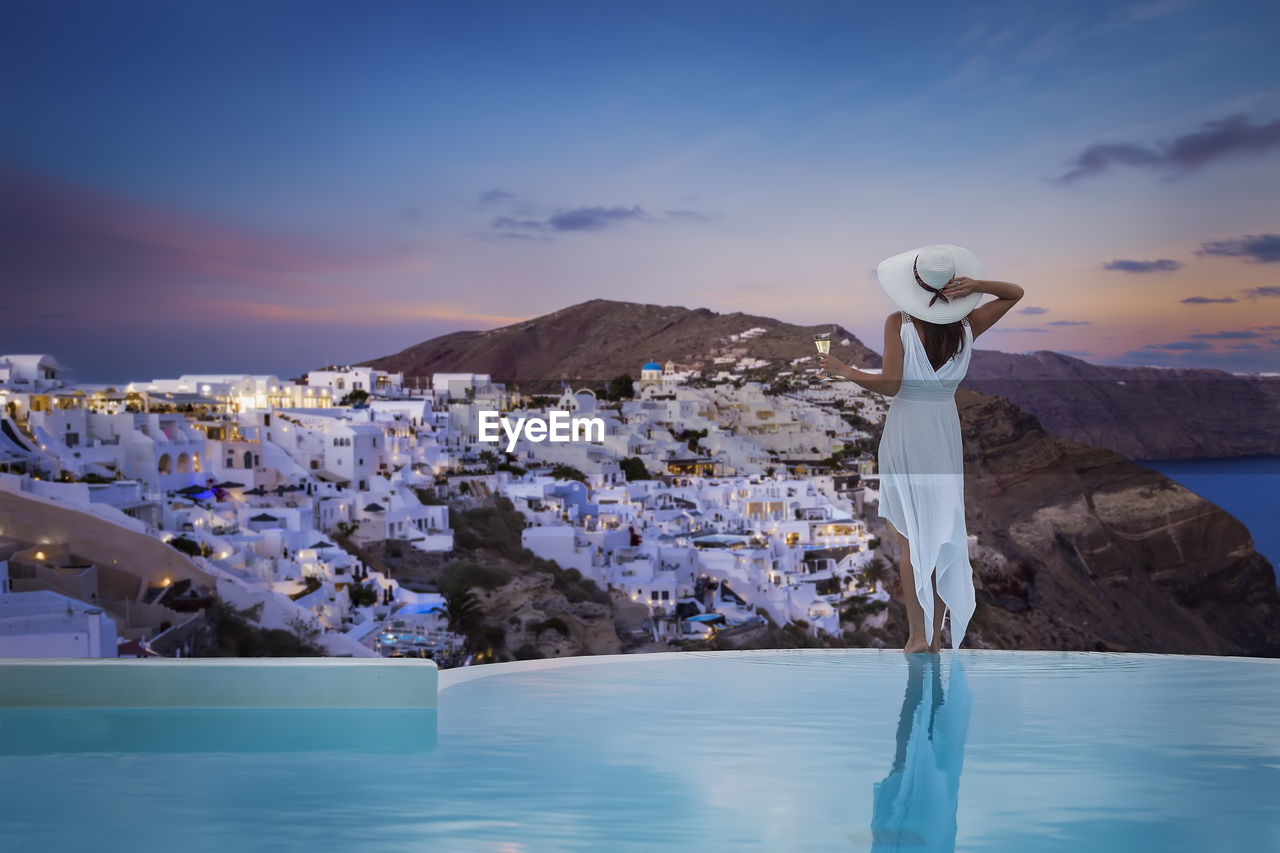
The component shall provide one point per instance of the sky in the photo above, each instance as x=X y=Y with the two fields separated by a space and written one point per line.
x=271 y=186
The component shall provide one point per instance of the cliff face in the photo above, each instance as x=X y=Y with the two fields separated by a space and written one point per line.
x=1141 y=412
x=1084 y=549
x=522 y=606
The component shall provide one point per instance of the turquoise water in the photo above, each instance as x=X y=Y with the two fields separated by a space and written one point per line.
x=1247 y=488
x=765 y=751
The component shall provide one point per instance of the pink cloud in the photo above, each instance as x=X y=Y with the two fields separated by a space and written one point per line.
x=104 y=250
x=381 y=314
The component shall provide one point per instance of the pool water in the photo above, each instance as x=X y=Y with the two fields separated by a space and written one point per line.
x=772 y=750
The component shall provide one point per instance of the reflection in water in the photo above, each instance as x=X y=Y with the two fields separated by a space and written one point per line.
x=914 y=807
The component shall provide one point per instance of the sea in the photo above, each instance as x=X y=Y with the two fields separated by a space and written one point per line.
x=1247 y=487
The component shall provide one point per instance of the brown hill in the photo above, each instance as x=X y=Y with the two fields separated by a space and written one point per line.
x=598 y=340
x=1141 y=412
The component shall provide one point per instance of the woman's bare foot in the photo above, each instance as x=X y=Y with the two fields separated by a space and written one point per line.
x=915 y=647
x=936 y=646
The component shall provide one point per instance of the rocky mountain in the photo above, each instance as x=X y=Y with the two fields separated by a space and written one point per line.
x=1085 y=549
x=1140 y=412
x=598 y=340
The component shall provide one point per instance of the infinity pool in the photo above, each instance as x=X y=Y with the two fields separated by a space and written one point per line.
x=772 y=751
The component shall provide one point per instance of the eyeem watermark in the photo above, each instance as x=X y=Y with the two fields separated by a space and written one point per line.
x=559 y=426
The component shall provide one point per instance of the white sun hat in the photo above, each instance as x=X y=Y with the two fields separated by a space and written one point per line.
x=913 y=281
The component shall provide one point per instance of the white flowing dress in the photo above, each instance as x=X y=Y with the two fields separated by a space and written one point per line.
x=922 y=478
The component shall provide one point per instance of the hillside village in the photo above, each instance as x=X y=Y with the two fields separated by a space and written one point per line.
x=146 y=518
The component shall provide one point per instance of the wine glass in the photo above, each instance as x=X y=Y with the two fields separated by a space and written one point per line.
x=822 y=340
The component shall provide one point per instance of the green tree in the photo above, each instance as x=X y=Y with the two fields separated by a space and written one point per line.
x=234 y=634
x=634 y=468
x=355 y=398
x=875 y=572
x=462 y=610
x=562 y=471
x=187 y=546
x=691 y=437
x=362 y=594
x=622 y=387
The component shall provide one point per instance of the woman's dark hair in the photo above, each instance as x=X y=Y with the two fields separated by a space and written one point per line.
x=942 y=341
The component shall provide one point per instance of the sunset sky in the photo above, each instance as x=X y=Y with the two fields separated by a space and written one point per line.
x=268 y=186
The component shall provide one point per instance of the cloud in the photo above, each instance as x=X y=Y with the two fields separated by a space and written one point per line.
x=513 y=224
x=1244 y=346
x=1161 y=265
x=593 y=218
x=103 y=255
x=1181 y=345
x=1228 y=137
x=1096 y=158
x=228 y=297
x=1203 y=300
x=1226 y=335
x=687 y=216
x=1069 y=323
x=1268 y=290
x=494 y=197
x=1030 y=309
x=1263 y=248
x=379 y=314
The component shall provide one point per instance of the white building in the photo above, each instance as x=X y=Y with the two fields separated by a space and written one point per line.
x=45 y=624
x=30 y=373
x=341 y=381
x=353 y=452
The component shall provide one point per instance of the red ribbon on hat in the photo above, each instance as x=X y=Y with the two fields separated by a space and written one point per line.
x=921 y=282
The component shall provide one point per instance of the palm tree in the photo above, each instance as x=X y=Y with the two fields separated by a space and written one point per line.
x=875 y=572
x=462 y=610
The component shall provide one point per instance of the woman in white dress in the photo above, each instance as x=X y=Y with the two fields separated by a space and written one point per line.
x=926 y=353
